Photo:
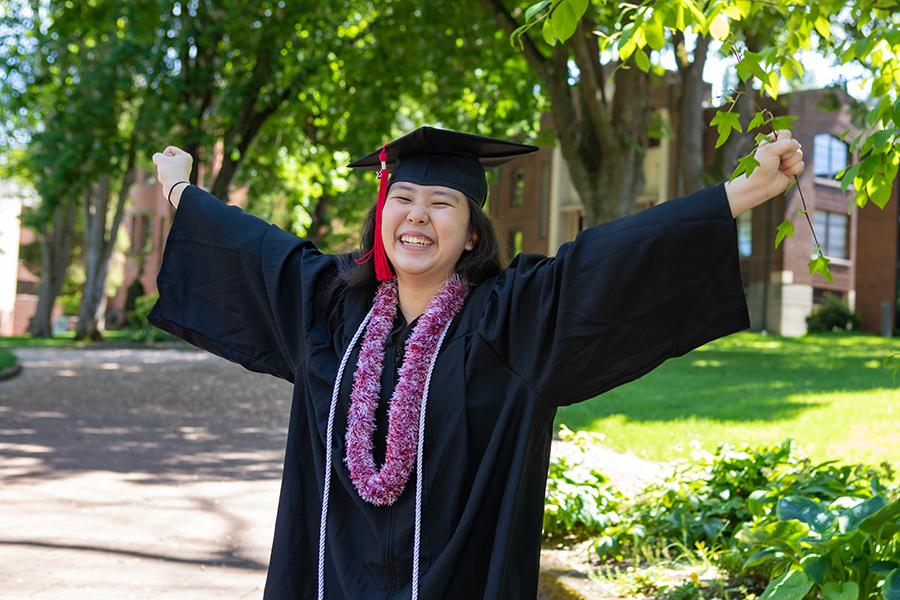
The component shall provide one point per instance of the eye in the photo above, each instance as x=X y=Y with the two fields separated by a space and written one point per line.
x=441 y=203
x=402 y=199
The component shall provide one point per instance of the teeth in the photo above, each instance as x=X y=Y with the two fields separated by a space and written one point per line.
x=415 y=240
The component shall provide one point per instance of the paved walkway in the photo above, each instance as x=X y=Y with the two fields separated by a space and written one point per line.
x=123 y=474
x=135 y=473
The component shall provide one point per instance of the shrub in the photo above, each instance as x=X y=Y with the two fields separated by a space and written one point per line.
x=7 y=359
x=833 y=315
x=579 y=501
x=141 y=329
x=761 y=512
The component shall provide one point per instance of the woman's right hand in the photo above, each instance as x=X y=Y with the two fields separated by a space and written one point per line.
x=172 y=165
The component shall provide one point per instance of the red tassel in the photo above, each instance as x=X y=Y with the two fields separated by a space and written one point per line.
x=383 y=270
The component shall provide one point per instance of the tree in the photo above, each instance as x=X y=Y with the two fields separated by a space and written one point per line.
x=766 y=56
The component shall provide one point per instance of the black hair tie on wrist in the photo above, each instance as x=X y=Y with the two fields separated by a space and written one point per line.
x=169 y=198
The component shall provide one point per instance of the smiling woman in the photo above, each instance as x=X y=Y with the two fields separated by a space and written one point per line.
x=431 y=361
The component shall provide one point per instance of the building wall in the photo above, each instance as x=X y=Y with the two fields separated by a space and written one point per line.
x=780 y=291
x=10 y=209
x=520 y=202
x=877 y=264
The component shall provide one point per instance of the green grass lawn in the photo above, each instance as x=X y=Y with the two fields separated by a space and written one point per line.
x=66 y=339
x=829 y=392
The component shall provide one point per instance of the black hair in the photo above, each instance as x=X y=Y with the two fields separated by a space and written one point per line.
x=479 y=264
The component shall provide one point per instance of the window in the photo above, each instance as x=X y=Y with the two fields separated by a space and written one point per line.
x=829 y=156
x=832 y=230
x=820 y=294
x=745 y=233
x=146 y=233
x=518 y=193
x=544 y=222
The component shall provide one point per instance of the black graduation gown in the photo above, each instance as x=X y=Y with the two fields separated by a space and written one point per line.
x=610 y=306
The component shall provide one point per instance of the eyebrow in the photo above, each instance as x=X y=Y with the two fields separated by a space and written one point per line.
x=406 y=188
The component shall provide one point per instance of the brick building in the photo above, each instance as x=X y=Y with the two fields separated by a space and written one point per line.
x=537 y=209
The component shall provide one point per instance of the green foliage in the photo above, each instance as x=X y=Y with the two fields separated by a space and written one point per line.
x=141 y=329
x=70 y=302
x=833 y=315
x=579 y=501
x=755 y=511
x=7 y=359
x=847 y=548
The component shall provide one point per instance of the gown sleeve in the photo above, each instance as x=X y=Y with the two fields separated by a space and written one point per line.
x=620 y=299
x=238 y=287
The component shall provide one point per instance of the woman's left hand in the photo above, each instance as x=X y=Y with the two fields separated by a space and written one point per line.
x=780 y=160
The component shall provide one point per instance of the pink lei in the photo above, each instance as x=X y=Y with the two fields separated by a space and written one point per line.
x=383 y=487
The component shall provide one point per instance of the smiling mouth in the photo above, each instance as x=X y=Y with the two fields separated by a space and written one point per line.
x=415 y=241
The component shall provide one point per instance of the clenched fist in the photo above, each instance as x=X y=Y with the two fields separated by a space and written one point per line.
x=173 y=165
x=780 y=160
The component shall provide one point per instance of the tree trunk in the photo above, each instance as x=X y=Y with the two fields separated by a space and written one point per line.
x=56 y=253
x=689 y=170
x=603 y=144
x=321 y=225
x=98 y=250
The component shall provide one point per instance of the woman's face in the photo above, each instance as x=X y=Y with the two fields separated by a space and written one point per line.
x=425 y=229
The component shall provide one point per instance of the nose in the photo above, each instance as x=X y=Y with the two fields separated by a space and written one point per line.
x=417 y=214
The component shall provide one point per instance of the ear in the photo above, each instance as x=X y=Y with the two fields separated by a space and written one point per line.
x=470 y=243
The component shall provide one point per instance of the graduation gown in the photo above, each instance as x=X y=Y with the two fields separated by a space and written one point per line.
x=547 y=332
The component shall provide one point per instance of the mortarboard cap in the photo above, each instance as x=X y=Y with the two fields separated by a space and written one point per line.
x=432 y=156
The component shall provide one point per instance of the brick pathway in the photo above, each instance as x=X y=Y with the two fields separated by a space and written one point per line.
x=132 y=473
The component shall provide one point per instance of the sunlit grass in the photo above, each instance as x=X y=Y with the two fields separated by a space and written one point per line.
x=830 y=393
x=66 y=339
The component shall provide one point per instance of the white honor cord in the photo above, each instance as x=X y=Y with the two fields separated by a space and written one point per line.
x=415 y=573
x=334 y=396
x=420 y=450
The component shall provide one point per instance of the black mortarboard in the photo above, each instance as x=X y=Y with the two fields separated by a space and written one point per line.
x=432 y=156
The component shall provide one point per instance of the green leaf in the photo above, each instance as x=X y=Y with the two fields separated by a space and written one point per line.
x=718 y=29
x=579 y=6
x=823 y=27
x=879 y=190
x=653 y=30
x=547 y=32
x=749 y=66
x=876 y=520
x=840 y=591
x=783 y=122
x=770 y=83
x=725 y=122
x=847 y=176
x=816 y=566
x=698 y=15
x=778 y=532
x=679 y=23
x=786 y=229
x=536 y=8
x=797 y=507
x=563 y=21
x=820 y=265
x=897 y=112
x=746 y=165
x=891 y=589
x=643 y=62
x=758 y=119
x=762 y=557
x=792 y=585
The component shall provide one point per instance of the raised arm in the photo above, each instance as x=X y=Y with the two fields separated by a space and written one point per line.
x=234 y=285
